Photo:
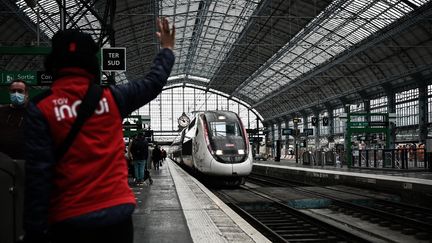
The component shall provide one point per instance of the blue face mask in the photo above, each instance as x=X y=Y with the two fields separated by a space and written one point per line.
x=17 y=98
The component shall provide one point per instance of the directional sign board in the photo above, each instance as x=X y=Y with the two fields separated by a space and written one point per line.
x=44 y=78
x=132 y=126
x=358 y=124
x=257 y=139
x=114 y=59
x=30 y=77
x=325 y=120
x=287 y=131
x=314 y=121
x=378 y=124
x=8 y=76
x=308 y=131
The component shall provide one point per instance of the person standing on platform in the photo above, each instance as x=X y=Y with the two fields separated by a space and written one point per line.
x=156 y=157
x=163 y=154
x=81 y=193
x=139 y=152
x=129 y=158
x=12 y=120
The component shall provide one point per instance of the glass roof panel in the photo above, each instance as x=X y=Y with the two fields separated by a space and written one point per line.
x=207 y=30
x=213 y=29
x=350 y=23
x=49 y=16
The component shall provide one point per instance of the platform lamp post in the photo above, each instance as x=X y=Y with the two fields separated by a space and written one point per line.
x=391 y=119
x=428 y=157
x=344 y=118
x=296 y=134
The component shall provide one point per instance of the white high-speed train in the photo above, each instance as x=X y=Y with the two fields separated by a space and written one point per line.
x=216 y=145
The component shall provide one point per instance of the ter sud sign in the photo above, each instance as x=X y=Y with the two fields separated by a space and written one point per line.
x=114 y=59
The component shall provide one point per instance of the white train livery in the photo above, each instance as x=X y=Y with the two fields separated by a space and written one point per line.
x=216 y=145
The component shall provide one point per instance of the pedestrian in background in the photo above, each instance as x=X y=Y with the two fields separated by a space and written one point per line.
x=156 y=157
x=81 y=193
x=12 y=120
x=139 y=152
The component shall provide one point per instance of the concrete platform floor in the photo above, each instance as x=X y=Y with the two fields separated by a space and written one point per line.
x=158 y=216
x=178 y=208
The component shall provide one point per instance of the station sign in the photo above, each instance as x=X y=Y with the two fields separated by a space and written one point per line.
x=8 y=76
x=114 y=59
x=378 y=124
x=296 y=120
x=287 y=131
x=308 y=131
x=257 y=139
x=314 y=121
x=252 y=131
x=128 y=126
x=30 y=77
x=368 y=124
x=44 y=78
x=358 y=124
x=145 y=119
x=325 y=121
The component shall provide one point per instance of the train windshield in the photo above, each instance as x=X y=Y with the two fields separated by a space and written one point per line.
x=227 y=141
x=224 y=129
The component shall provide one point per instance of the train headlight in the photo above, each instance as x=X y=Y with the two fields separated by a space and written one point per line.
x=241 y=151
x=219 y=152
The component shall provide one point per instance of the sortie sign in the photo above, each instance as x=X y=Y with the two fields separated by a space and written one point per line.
x=8 y=76
x=114 y=59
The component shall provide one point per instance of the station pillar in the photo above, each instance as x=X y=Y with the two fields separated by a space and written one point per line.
x=278 y=150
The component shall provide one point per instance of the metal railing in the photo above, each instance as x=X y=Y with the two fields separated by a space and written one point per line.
x=319 y=157
x=413 y=158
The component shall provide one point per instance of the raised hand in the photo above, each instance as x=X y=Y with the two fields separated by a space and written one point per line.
x=165 y=35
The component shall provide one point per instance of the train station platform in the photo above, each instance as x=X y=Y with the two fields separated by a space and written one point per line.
x=411 y=186
x=178 y=208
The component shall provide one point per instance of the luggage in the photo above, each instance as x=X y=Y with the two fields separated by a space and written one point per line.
x=11 y=198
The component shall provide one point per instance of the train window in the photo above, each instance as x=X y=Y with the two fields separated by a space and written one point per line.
x=224 y=129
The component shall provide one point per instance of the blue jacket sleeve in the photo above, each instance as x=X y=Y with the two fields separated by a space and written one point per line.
x=39 y=167
x=135 y=94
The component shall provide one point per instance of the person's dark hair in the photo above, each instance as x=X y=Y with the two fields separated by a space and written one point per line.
x=20 y=81
x=73 y=48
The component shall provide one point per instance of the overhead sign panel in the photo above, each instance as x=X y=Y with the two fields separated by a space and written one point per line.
x=30 y=77
x=114 y=59
x=325 y=120
x=8 y=76
x=44 y=78
x=308 y=131
x=314 y=121
x=287 y=131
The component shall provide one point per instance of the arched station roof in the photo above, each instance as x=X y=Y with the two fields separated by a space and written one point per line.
x=280 y=57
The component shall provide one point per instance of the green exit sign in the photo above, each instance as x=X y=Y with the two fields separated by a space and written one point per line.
x=8 y=76
x=358 y=124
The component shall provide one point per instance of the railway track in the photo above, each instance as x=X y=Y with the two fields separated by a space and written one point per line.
x=281 y=223
x=407 y=219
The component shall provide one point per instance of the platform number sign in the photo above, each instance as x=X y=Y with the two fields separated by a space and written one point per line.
x=308 y=132
x=287 y=131
x=114 y=59
x=314 y=121
x=325 y=121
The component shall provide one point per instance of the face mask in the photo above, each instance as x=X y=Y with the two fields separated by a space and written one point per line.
x=17 y=98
